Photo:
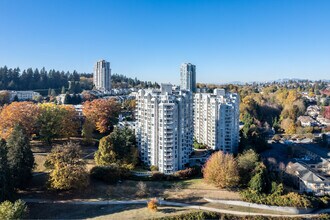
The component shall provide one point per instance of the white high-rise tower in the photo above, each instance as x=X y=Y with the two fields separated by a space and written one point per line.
x=216 y=120
x=102 y=76
x=188 y=77
x=164 y=128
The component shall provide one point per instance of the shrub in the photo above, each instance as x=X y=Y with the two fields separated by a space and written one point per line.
x=294 y=199
x=109 y=174
x=247 y=162
x=197 y=215
x=197 y=145
x=276 y=199
x=324 y=201
x=153 y=168
x=142 y=189
x=187 y=173
x=177 y=187
x=16 y=210
x=277 y=137
x=260 y=181
x=152 y=205
x=158 y=176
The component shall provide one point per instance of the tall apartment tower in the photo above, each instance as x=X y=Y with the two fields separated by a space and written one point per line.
x=216 y=120
x=164 y=128
x=188 y=77
x=102 y=76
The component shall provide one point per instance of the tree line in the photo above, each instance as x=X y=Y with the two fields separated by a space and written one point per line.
x=47 y=121
x=35 y=79
x=121 y=81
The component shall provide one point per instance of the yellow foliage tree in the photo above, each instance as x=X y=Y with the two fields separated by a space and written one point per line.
x=68 y=170
x=289 y=126
x=221 y=170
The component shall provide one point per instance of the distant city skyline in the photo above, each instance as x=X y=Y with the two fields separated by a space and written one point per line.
x=228 y=41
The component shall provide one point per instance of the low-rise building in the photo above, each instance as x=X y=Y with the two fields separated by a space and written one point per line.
x=23 y=95
x=129 y=124
x=313 y=110
x=308 y=180
x=323 y=121
x=307 y=121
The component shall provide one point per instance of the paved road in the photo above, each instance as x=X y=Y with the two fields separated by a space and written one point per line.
x=225 y=211
x=166 y=203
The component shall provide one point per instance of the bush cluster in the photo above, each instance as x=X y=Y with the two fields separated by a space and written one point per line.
x=179 y=175
x=152 y=205
x=275 y=199
x=201 y=215
x=109 y=174
x=13 y=210
x=188 y=173
x=153 y=168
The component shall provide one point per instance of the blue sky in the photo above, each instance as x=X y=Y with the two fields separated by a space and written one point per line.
x=247 y=40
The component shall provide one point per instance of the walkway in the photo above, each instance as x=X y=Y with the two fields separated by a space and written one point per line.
x=165 y=203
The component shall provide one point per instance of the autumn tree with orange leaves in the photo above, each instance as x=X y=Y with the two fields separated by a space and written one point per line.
x=101 y=113
x=24 y=114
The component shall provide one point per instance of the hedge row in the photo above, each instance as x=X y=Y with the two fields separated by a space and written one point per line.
x=290 y=199
x=201 y=215
x=109 y=174
x=179 y=175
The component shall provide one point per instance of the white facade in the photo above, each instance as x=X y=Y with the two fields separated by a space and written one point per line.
x=164 y=127
x=188 y=77
x=102 y=76
x=23 y=95
x=216 y=120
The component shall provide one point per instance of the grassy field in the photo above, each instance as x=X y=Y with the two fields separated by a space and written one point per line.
x=187 y=190
x=144 y=213
x=192 y=191
x=65 y=211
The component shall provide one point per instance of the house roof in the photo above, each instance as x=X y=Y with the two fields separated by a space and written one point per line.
x=311 y=177
x=306 y=119
x=304 y=173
